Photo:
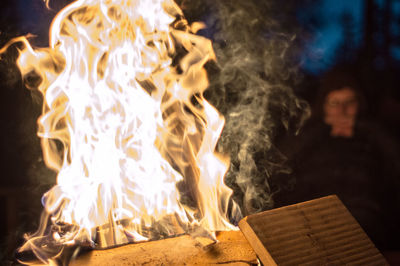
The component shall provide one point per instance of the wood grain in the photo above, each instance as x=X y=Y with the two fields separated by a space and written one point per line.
x=317 y=232
x=231 y=249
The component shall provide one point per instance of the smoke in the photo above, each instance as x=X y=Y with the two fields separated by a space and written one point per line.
x=252 y=85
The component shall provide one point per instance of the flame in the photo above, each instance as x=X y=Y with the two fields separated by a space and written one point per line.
x=126 y=126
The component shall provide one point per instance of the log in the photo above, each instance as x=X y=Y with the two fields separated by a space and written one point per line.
x=316 y=232
x=231 y=249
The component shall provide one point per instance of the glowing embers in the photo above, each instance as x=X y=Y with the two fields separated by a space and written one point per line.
x=124 y=126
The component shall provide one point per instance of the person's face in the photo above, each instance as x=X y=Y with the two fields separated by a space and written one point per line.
x=340 y=111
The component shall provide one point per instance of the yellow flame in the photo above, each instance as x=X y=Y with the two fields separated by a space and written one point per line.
x=125 y=121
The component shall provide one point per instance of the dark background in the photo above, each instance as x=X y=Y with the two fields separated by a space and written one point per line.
x=361 y=35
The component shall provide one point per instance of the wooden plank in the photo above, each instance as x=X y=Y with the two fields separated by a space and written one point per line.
x=231 y=249
x=316 y=232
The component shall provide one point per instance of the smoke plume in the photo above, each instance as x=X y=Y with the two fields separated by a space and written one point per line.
x=252 y=85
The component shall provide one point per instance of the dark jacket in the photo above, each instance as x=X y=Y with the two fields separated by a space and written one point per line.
x=363 y=171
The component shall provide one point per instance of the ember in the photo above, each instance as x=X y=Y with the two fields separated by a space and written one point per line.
x=124 y=124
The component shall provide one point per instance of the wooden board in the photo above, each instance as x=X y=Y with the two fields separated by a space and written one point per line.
x=316 y=232
x=231 y=249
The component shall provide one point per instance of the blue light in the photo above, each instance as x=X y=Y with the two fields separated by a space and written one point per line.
x=320 y=53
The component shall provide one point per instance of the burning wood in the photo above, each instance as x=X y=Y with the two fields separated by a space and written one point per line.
x=231 y=249
x=124 y=124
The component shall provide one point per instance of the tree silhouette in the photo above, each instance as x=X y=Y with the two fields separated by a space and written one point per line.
x=346 y=51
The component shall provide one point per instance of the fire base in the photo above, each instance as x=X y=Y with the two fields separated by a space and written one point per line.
x=316 y=232
x=231 y=248
x=116 y=234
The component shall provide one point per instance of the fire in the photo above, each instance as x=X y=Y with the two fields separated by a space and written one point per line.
x=126 y=126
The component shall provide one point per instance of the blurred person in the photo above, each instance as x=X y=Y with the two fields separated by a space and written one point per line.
x=342 y=152
x=340 y=111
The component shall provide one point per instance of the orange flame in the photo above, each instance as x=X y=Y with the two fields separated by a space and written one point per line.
x=125 y=123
